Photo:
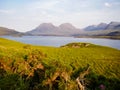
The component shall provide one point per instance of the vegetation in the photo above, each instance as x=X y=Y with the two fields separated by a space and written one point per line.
x=75 y=66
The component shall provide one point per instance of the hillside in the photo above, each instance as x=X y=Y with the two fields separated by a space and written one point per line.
x=27 y=67
x=6 y=31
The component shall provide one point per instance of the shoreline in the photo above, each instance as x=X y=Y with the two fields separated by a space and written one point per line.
x=103 y=37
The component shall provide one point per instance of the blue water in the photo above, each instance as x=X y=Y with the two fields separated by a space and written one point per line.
x=59 y=41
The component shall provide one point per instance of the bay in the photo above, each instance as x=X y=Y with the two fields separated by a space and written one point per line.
x=58 y=41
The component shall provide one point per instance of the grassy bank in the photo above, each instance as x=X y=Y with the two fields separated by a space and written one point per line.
x=27 y=67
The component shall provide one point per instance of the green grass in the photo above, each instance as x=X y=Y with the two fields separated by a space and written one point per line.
x=21 y=60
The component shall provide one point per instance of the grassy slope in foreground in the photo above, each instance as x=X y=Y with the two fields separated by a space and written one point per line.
x=22 y=59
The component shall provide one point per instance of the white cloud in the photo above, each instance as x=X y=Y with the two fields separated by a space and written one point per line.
x=78 y=12
x=113 y=4
x=45 y=8
x=107 y=4
x=6 y=11
x=45 y=5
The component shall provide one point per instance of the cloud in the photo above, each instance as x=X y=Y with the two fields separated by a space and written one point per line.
x=45 y=5
x=107 y=4
x=45 y=8
x=6 y=11
x=112 y=4
x=78 y=12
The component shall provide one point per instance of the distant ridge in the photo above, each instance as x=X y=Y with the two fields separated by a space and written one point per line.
x=67 y=29
x=113 y=25
x=5 y=31
x=103 y=26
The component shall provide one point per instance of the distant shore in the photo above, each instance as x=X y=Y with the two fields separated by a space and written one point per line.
x=107 y=37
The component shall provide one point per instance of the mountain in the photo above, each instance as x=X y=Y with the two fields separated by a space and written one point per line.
x=104 y=26
x=113 y=26
x=68 y=29
x=65 y=29
x=6 y=31
x=42 y=29
x=67 y=26
x=101 y=26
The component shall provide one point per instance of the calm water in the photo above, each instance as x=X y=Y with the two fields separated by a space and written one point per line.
x=58 y=41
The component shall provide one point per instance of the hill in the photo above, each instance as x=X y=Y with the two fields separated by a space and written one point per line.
x=6 y=31
x=27 y=67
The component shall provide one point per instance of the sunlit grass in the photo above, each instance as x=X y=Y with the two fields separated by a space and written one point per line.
x=103 y=61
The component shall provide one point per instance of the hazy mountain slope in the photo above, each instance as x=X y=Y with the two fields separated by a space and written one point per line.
x=102 y=29
x=65 y=29
x=44 y=28
x=113 y=26
x=6 y=31
x=103 y=26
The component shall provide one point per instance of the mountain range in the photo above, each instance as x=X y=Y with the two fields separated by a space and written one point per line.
x=104 y=26
x=103 y=29
x=67 y=29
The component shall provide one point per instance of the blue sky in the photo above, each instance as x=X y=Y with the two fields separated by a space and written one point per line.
x=25 y=15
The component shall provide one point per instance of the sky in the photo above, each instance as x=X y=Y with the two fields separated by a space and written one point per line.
x=25 y=15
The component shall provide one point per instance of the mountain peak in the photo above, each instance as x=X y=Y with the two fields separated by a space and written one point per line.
x=46 y=25
x=101 y=24
x=114 y=23
x=67 y=26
